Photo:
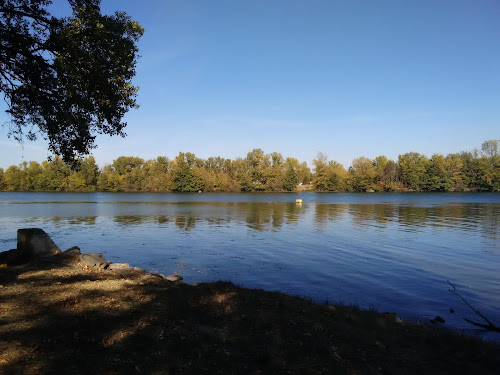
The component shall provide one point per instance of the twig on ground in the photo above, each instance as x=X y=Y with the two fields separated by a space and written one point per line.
x=489 y=327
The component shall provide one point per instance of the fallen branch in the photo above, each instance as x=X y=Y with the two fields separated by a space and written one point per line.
x=489 y=327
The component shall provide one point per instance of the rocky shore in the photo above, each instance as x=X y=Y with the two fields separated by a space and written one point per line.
x=68 y=312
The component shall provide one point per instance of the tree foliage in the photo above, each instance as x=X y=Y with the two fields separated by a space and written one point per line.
x=186 y=175
x=290 y=180
x=465 y=171
x=66 y=79
x=329 y=175
x=363 y=174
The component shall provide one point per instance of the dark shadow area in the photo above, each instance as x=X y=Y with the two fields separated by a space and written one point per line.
x=61 y=319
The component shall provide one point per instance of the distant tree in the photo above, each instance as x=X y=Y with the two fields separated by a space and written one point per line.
x=338 y=176
x=391 y=176
x=14 y=179
x=320 y=177
x=89 y=172
x=186 y=176
x=55 y=175
x=277 y=159
x=160 y=174
x=471 y=171
x=413 y=167
x=66 y=79
x=328 y=175
x=34 y=176
x=444 y=173
x=259 y=164
x=246 y=184
x=290 y=181
x=363 y=174
x=491 y=148
x=109 y=180
x=379 y=164
x=126 y=164
x=387 y=173
x=475 y=170
x=491 y=152
x=84 y=176
x=304 y=174
x=274 y=171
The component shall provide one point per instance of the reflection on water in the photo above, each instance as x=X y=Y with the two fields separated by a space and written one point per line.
x=394 y=252
x=468 y=217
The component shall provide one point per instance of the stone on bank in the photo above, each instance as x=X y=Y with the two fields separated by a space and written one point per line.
x=35 y=244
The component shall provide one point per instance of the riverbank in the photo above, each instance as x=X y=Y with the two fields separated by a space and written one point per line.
x=57 y=318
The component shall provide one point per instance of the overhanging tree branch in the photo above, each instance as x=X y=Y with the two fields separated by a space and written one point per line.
x=20 y=13
x=69 y=77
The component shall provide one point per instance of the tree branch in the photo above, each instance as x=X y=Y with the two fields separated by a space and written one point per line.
x=27 y=15
x=489 y=327
x=7 y=78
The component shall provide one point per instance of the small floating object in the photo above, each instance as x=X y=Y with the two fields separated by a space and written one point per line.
x=298 y=200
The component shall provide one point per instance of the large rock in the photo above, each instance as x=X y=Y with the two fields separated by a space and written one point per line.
x=70 y=257
x=34 y=243
x=95 y=260
x=174 y=278
x=119 y=267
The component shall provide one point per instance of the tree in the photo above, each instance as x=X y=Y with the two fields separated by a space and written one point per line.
x=380 y=163
x=363 y=174
x=491 y=152
x=444 y=173
x=304 y=173
x=387 y=173
x=320 y=172
x=13 y=179
x=159 y=174
x=55 y=175
x=290 y=180
x=413 y=167
x=328 y=175
x=258 y=163
x=491 y=148
x=186 y=176
x=34 y=176
x=66 y=79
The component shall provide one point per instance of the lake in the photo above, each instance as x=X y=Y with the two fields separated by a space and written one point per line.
x=392 y=252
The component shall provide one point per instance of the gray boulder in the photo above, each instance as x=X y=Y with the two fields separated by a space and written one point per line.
x=32 y=243
x=174 y=278
x=119 y=267
x=68 y=257
x=95 y=260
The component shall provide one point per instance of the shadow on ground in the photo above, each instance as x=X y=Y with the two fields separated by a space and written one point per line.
x=62 y=319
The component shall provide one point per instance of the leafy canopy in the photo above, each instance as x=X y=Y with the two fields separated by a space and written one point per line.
x=66 y=79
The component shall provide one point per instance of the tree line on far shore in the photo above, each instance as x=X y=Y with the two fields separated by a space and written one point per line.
x=465 y=171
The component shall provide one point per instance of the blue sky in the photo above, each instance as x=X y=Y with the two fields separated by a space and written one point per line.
x=347 y=78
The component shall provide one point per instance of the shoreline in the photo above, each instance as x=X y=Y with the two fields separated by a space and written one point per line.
x=58 y=317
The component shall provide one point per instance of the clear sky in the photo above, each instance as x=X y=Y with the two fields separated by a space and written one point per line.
x=348 y=78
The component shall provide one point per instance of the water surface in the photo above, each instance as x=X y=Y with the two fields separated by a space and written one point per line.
x=393 y=252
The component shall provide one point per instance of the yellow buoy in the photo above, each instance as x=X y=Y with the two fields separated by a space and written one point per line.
x=298 y=200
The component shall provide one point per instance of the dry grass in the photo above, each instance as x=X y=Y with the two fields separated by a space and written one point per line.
x=61 y=319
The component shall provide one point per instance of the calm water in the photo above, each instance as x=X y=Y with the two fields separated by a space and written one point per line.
x=393 y=252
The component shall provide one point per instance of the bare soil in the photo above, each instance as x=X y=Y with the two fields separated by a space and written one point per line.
x=74 y=320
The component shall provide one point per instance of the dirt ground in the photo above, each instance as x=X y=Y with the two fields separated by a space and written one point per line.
x=72 y=320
